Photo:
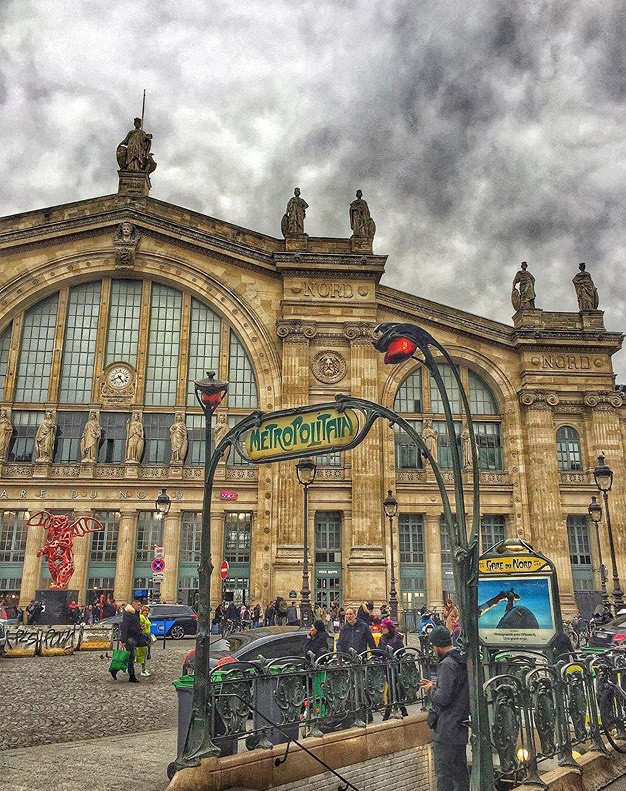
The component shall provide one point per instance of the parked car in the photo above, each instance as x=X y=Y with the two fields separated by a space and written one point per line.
x=172 y=620
x=609 y=635
x=270 y=642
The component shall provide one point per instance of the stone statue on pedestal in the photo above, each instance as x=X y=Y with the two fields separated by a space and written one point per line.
x=586 y=291
x=430 y=437
x=362 y=224
x=6 y=432
x=133 y=153
x=467 y=448
x=523 y=297
x=178 y=439
x=220 y=431
x=90 y=439
x=135 y=439
x=44 y=438
x=292 y=223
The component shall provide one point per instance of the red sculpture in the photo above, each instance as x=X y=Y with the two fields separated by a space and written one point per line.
x=60 y=542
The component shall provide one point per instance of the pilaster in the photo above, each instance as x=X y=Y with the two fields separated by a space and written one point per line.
x=31 y=570
x=171 y=545
x=82 y=551
x=434 y=583
x=126 y=544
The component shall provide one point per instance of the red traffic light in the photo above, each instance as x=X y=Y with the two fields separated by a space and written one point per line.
x=399 y=350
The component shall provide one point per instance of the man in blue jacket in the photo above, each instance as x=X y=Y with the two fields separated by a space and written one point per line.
x=355 y=634
x=449 y=698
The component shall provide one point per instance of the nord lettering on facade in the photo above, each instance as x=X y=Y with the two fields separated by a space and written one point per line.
x=328 y=290
x=563 y=362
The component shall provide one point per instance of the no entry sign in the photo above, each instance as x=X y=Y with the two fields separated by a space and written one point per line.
x=224 y=569
x=158 y=564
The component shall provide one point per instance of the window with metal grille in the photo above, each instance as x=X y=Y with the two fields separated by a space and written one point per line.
x=23 y=440
x=143 y=583
x=113 y=442
x=70 y=427
x=237 y=536
x=579 y=546
x=149 y=535
x=190 y=536
x=328 y=459
x=328 y=537
x=79 y=348
x=411 y=538
x=5 y=343
x=158 y=449
x=481 y=399
x=408 y=455
x=444 y=447
x=8 y=584
x=163 y=346
x=242 y=390
x=195 y=437
x=489 y=445
x=446 y=546
x=452 y=389
x=13 y=532
x=409 y=396
x=492 y=530
x=204 y=345
x=124 y=316
x=105 y=584
x=568 y=448
x=188 y=583
x=33 y=371
x=104 y=542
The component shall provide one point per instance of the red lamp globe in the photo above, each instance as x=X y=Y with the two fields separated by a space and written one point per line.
x=212 y=399
x=399 y=350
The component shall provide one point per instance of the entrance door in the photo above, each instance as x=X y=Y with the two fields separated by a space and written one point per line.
x=327 y=557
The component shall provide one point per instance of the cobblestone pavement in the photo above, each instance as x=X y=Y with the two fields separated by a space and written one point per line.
x=46 y=700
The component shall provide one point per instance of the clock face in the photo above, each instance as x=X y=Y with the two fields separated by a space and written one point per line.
x=119 y=377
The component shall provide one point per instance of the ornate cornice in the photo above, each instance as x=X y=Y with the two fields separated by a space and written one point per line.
x=604 y=401
x=296 y=330
x=538 y=399
x=359 y=332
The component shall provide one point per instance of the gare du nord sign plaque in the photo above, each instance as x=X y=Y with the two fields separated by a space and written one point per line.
x=302 y=433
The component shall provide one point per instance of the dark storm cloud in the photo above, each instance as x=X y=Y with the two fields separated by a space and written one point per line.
x=481 y=134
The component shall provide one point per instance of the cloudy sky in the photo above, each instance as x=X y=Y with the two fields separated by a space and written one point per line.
x=481 y=133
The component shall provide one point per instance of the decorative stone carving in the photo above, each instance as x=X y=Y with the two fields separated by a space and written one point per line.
x=125 y=242
x=153 y=472
x=430 y=437
x=410 y=476
x=133 y=153
x=538 y=399
x=135 y=438
x=586 y=291
x=6 y=432
x=467 y=448
x=90 y=439
x=118 y=384
x=361 y=222
x=604 y=401
x=358 y=331
x=295 y=330
x=44 y=438
x=292 y=223
x=110 y=471
x=179 y=439
x=329 y=366
x=523 y=297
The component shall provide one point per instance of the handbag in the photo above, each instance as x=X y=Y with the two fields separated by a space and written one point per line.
x=119 y=660
x=144 y=640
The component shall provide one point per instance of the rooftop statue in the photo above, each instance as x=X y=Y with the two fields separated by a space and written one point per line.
x=133 y=153
x=292 y=223
x=523 y=297
x=586 y=291
x=360 y=220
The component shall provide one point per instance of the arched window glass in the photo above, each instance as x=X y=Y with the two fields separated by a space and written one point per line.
x=33 y=373
x=242 y=390
x=5 y=342
x=79 y=349
x=204 y=345
x=568 y=448
x=409 y=395
x=163 y=346
x=124 y=315
x=454 y=395
x=482 y=401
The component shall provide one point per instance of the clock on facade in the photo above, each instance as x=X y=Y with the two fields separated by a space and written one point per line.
x=119 y=377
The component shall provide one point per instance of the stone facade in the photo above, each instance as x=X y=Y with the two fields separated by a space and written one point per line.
x=304 y=317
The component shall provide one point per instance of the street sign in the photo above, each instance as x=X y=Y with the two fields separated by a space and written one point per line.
x=228 y=495
x=224 y=569
x=157 y=576
x=159 y=552
x=158 y=565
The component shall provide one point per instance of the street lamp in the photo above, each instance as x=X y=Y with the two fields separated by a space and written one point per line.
x=162 y=504
x=390 y=504
x=595 y=512
x=603 y=476
x=306 y=470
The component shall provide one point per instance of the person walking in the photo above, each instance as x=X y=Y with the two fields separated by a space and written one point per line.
x=130 y=634
x=281 y=611
x=270 y=613
x=292 y=615
x=366 y=612
x=317 y=640
x=391 y=639
x=449 y=699
x=143 y=652
x=256 y=616
x=354 y=634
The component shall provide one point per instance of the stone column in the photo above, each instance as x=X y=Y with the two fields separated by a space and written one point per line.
x=171 y=544
x=548 y=525
x=126 y=546
x=434 y=583
x=367 y=556
x=82 y=552
x=31 y=569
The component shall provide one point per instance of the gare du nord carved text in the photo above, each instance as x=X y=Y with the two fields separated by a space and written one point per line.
x=566 y=362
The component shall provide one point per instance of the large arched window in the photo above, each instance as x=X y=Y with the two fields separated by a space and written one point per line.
x=418 y=401
x=167 y=335
x=568 y=448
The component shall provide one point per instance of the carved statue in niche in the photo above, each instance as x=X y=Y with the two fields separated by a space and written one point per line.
x=179 y=439
x=467 y=448
x=219 y=432
x=586 y=291
x=44 y=438
x=523 y=297
x=430 y=437
x=6 y=432
x=361 y=222
x=90 y=439
x=292 y=223
x=125 y=242
x=135 y=438
x=133 y=153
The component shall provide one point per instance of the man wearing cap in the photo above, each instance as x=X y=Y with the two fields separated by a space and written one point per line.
x=449 y=697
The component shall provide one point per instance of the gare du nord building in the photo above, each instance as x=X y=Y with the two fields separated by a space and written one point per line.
x=114 y=305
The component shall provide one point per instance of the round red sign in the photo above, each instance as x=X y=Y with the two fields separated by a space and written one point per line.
x=158 y=564
x=224 y=570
